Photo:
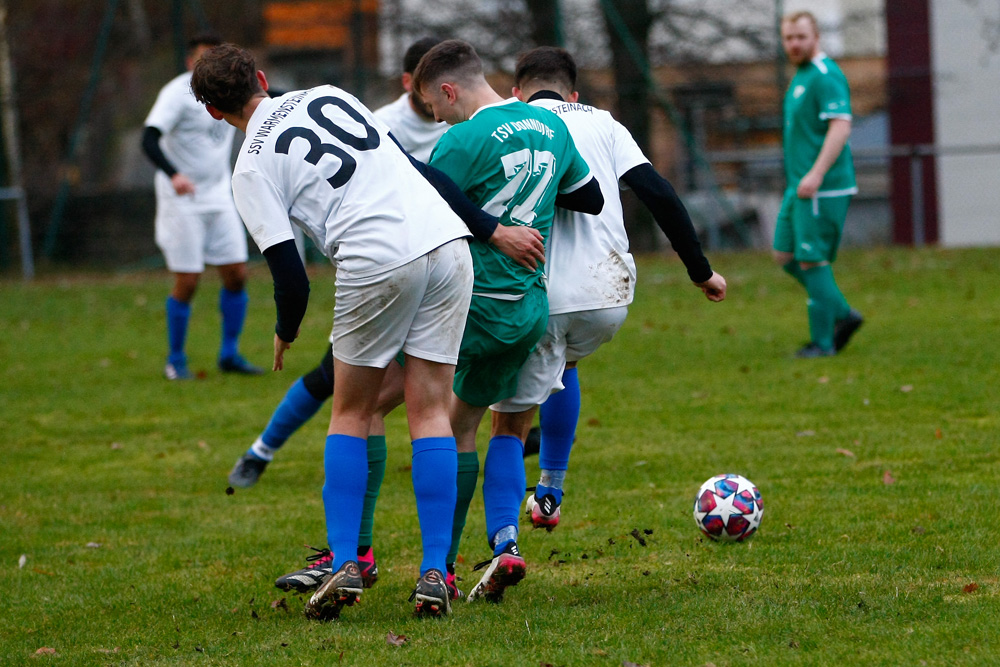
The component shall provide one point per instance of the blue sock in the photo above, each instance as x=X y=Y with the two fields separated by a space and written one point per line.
x=178 y=314
x=503 y=483
x=296 y=408
x=233 y=306
x=558 y=418
x=435 y=470
x=346 y=465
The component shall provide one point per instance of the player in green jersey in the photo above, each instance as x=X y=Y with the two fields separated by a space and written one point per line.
x=517 y=162
x=820 y=183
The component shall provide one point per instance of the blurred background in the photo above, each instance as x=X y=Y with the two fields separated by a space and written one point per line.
x=698 y=82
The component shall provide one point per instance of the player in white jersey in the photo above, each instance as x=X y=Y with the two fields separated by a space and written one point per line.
x=591 y=275
x=415 y=129
x=409 y=118
x=319 y=159
x=196 y=220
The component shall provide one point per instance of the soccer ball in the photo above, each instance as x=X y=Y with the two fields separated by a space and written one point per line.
x=728 y=508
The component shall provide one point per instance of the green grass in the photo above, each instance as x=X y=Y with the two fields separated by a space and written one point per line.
x=845 y=569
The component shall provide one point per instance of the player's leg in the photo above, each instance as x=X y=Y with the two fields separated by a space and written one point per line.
x=519 y=325
x=178 y=315
x=345 y=460
x=784 y=238
x=434 y=473
x=226 y=248
x=581 y=334
x=818 y=226
x=180 y=236
x=429 y=373
x=302 y=400
x=390 y=396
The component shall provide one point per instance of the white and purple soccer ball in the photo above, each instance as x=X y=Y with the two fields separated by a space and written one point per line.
x=728 y=508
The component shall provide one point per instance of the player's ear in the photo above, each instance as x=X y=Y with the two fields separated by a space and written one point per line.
x=516 y=92
x=573 y=97
x=449 y=92
x=262 y=80
x=213 y=112
x=407 y=82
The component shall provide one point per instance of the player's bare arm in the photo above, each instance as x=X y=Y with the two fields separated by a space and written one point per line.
x=837 y=134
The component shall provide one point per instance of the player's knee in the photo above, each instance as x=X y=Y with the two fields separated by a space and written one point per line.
x=185 y=285
x=234 y=277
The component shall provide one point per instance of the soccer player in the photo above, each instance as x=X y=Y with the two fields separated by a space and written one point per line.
x=196 y=220
x=518 y=162
x=319 y=159
x=591 y=275
x=820 y=177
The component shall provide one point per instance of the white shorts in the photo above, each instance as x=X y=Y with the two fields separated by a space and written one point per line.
x=568 y=337
x=419 y=308
x=190 y=238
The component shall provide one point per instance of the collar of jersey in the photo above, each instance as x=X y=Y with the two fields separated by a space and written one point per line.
x=262 y=109
x=495 y=104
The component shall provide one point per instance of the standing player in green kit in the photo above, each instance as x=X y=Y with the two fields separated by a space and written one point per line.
x=820 y=183
x=517 y=162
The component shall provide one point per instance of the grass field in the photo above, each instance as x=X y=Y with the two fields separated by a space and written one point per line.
x=878 y=467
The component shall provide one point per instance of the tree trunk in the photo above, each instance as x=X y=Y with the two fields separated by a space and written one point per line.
x=633 y=98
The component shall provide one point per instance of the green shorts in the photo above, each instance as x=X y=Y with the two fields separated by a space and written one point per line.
x=499 y=336
x=810 y=229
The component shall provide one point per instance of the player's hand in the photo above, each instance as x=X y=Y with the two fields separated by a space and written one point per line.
x=182 y=184
x=522 y=244
x=714 y=288
x=809 y=185
x=279 y=353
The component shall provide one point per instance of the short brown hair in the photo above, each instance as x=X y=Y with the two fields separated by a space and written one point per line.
x=453 y=58
x=546 y=64
x=226 y=77
x=795 y=16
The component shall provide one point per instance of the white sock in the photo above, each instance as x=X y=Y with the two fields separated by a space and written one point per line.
x=262 y=451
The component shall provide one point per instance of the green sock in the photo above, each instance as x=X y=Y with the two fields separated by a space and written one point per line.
x=826 y=304
x=376 y=472
x=795 y=271
x=468 y=477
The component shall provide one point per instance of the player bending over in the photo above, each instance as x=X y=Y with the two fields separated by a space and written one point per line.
x=591 y=275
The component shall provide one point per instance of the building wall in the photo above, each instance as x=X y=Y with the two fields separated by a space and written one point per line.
x=966 y=65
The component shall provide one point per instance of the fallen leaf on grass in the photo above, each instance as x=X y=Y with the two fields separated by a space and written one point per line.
x=40 y=571
x=201 y=375
x=845 y=452
x=593 y=421
x=93 y=545
x=275 y=604
x=628 y=663
x=906 y=388
x=970 y=588
x=202 y=444
x=803 y=434
x=21 y=561
x=823 y=379
x=109 y=650
x=638 y=538
x=938 y=434
x=392 y=639
x=116 y=445
x=887 y=478
x=45 y=650
x=918 y=530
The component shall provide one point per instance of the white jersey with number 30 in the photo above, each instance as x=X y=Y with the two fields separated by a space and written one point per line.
x=589 y=265
x=319 y=158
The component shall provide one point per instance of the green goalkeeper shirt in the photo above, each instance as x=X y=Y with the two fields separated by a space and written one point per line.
x=511 y=159
x=818 y=93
